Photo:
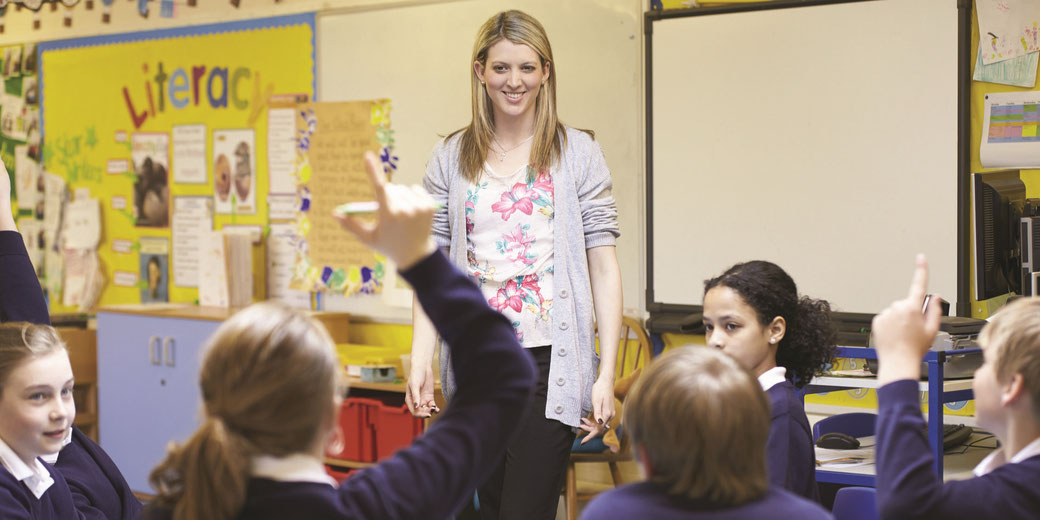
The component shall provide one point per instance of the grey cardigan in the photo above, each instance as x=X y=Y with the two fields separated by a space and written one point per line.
x=585 y=216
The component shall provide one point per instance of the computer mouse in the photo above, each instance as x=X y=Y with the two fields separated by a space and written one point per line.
x=837 y=441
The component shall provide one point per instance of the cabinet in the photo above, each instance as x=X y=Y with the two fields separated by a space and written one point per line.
x=939 y=391
x=148 y=389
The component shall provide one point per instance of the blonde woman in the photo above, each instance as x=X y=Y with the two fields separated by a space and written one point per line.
x=530 y=216
x=271 y=393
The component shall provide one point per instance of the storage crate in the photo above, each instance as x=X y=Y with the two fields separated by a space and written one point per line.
x=353 y=437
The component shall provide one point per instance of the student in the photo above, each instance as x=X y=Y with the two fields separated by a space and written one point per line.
x=36 y=412
x=271 y=394
x=753 y=313
x=1007 y=403
x=529 y=214
x=98 y=487
x=699 y=423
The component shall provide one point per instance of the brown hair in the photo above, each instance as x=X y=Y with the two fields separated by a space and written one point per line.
x=268 y=380
x=1013 y=335
x=549 y=134
x=21 y=341
x=702 y=422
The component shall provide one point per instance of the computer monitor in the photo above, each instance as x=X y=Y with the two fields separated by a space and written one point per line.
x=999 y=198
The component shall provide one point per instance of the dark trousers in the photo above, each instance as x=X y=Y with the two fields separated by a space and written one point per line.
x=526 y=484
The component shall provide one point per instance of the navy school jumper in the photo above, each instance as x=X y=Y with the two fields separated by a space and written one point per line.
x=434 y=477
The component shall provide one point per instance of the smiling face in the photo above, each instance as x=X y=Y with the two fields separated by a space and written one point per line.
x=732 y=326
x=513 y=76
x=36 y=406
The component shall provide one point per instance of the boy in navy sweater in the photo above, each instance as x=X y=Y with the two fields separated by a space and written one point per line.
x=699 y=423
x=1007 y=403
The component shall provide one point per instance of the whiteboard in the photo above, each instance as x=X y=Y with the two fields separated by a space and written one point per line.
x=822 y=138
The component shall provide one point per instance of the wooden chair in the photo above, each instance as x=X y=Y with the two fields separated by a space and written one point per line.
x=633 y=353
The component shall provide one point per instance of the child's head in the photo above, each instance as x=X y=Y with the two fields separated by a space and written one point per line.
x=1011 y=350
x=700 y=422
x=36 y=405
x=753 y=313
x=270 y=386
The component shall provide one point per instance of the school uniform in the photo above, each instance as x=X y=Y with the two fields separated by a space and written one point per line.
x=650 y=500
x=790 y=457
x=909 y=488
x=436 y=475
x=98 y=488
x=33 y=491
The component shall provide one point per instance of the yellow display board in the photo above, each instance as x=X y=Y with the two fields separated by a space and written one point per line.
x=154 y=122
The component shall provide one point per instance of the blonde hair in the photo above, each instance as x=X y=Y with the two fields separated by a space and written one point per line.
x=702 y=422
x=268 y=380
x=1013 y=338
x=549 y=134
x=22 y=341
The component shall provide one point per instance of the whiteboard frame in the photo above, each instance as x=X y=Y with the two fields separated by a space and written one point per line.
x=671 y=317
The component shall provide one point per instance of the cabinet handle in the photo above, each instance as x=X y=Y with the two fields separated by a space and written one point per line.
x=153 y=350
x=169 y=354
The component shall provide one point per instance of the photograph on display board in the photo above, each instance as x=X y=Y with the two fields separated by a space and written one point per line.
x=234 y=167
x=151 y=158
x=29 y=59
x=154 y=278
x=29 y=91
x=12 y=61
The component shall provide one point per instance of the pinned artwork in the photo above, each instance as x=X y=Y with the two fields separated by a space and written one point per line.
x=331 y=141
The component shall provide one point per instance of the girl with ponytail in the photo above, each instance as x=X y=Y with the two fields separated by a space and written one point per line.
x=753 y=313
x=271 y=392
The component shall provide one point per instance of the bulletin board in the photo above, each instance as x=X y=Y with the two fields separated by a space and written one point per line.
x=155 y=121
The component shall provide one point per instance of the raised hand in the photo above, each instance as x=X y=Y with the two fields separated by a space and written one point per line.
x=903 y=333
x=403 y=222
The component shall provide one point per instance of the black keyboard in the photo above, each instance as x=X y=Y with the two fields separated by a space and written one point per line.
x=955 y=434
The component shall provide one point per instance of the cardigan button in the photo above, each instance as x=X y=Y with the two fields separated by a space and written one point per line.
x=561 y=381
x=559 y=408
x=562 y=351
x=564 y=293
x=563 y=325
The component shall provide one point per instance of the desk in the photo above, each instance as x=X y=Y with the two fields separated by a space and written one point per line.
x=939 y=393
x=957 y=465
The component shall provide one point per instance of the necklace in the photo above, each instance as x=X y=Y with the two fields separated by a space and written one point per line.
x=502 y=153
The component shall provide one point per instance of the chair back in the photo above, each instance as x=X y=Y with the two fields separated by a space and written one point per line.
x=858 y=424
x=855 y=503
x=634 y=349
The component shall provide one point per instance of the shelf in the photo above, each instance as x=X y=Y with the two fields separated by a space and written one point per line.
x=352 y=464
x=953 y=385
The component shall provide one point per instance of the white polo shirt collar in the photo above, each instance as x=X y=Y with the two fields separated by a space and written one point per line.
x=297 y=467
x=35 y=477
x=772 y=377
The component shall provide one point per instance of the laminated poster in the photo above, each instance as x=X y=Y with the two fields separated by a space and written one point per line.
x=1009 y=130
x=331 y=139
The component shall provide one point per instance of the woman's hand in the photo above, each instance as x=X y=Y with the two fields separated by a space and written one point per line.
x=419 y=392
x=602 y=409
x=403 y=223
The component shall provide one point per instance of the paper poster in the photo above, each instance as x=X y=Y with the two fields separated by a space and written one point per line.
x=213 y=279
x=14 y=117
x=82 y=224
x=55 y=196
x=281 y=256
x=32 y=231
x=282 y=206
x=155 y=269
x=26 y=178
x=12 y=61
x=189 y=154
x=1009 y=130
x=1020 y=71
x=281 y=150
x=151 y=160
x=80 y=268
x=1008 y=28
x=332 y=139
x=192 y=218
x=234 y=164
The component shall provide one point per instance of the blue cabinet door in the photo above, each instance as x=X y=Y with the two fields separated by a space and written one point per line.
x=148 y=392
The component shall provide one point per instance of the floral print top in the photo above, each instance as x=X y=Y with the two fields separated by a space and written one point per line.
x=509 y=245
